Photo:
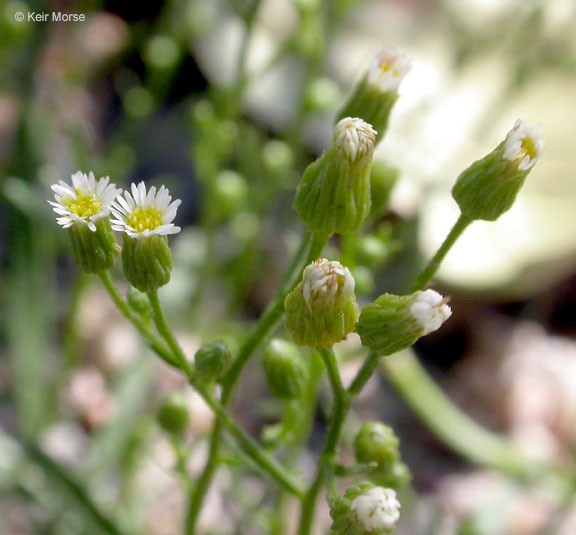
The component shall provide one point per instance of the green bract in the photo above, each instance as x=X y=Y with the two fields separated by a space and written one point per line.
x=321 y=311
x=334 y=194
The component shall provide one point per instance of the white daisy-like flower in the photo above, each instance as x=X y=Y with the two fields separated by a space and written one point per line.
x=388 y=69
x=326 y=281
x=354 y=138
x=141 y=214
x=524 y=145
x=86 y=201
x=376 y=509
x=430 y=310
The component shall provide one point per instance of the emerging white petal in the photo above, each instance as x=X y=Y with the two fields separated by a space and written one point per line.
x=326 y=281
x=85 y=201
x=140 y=213
x=354 y=137
x=376 y=509
x=524 y=145
x=388 y=69
x=430 y=311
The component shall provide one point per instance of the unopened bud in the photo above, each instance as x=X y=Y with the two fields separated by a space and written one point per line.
x=395 y=322
x=213 y=360
x=173 y=415
x=285 y=371
x=489 y=187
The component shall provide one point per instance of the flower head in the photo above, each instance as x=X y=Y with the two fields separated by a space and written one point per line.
x=430 y=310
x=86 y=201
x=524 y=144
x=326 y=281
x=354 y=138
x=376 y=509
x=388 y=69
x=142 y=214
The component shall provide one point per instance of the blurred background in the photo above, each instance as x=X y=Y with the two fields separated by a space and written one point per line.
x=225 y=102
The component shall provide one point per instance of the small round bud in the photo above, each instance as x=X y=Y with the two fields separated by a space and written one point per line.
x=395 y=322
x=365 y=510
x=396 y=477
x=376 y=442
x=322 y=310
x=334 y=193
x=139 y=302
x=213 y=360
x=285 y=371
x=489 y=187
x=147 y=262
x=376 y=93
x=173 y=414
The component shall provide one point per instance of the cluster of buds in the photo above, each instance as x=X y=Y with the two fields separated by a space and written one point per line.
x=321 y=311
x=334 y=193
x=489 y=187
x=143 y=216
x=395 y=322
x=376 y=93
x=365 y=510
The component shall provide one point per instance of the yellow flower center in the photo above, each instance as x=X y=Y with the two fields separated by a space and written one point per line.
x=83 y=205
x=142 y=219
x=527 y=148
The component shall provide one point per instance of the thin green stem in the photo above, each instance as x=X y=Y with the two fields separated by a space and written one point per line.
x=430 y=270
x=153 y=340
x=166 y=333
x=364 y=373
x=266 y=324
x=448 y=422
x=326 y=467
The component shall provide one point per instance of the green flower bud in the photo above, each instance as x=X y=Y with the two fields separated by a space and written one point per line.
x=213 y=360
x=322 y=310
x=139 y=302
x=396 y=476
x=376 y=442
x=284 y=368
x=83 y=208
x=374 y=96
x=147 y=262
x=365 y=510
x=146 y=219
x=334 y=194
x=94 y=251
x=395 y=322
x=173 y=415
x=489 y=187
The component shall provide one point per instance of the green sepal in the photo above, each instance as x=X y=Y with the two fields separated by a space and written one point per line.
x=213 y=360
x=147 y=262
x=489 y=187
x=371 y=104
x=285 y=371
x=321 y=326
x=96 y=251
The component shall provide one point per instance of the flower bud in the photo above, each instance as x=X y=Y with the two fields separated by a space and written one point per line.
x=285 y=371
x=489 y=187
x=213 y=360
x=173 y=415
x=322 y=310
x=147 y=262
x=94 y=251
x=376 y=442
x=395 y=322
x=365 y=510
x=334 y=194
x=139 y=302
x=376 y=93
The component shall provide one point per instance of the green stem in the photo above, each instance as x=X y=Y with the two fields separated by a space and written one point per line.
x=55 y=472
x=364 y=373
x=155 y=343
x=327 y=458
x=448 y=422
x=265 y=325
x=430 y=270
x=166 y=333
